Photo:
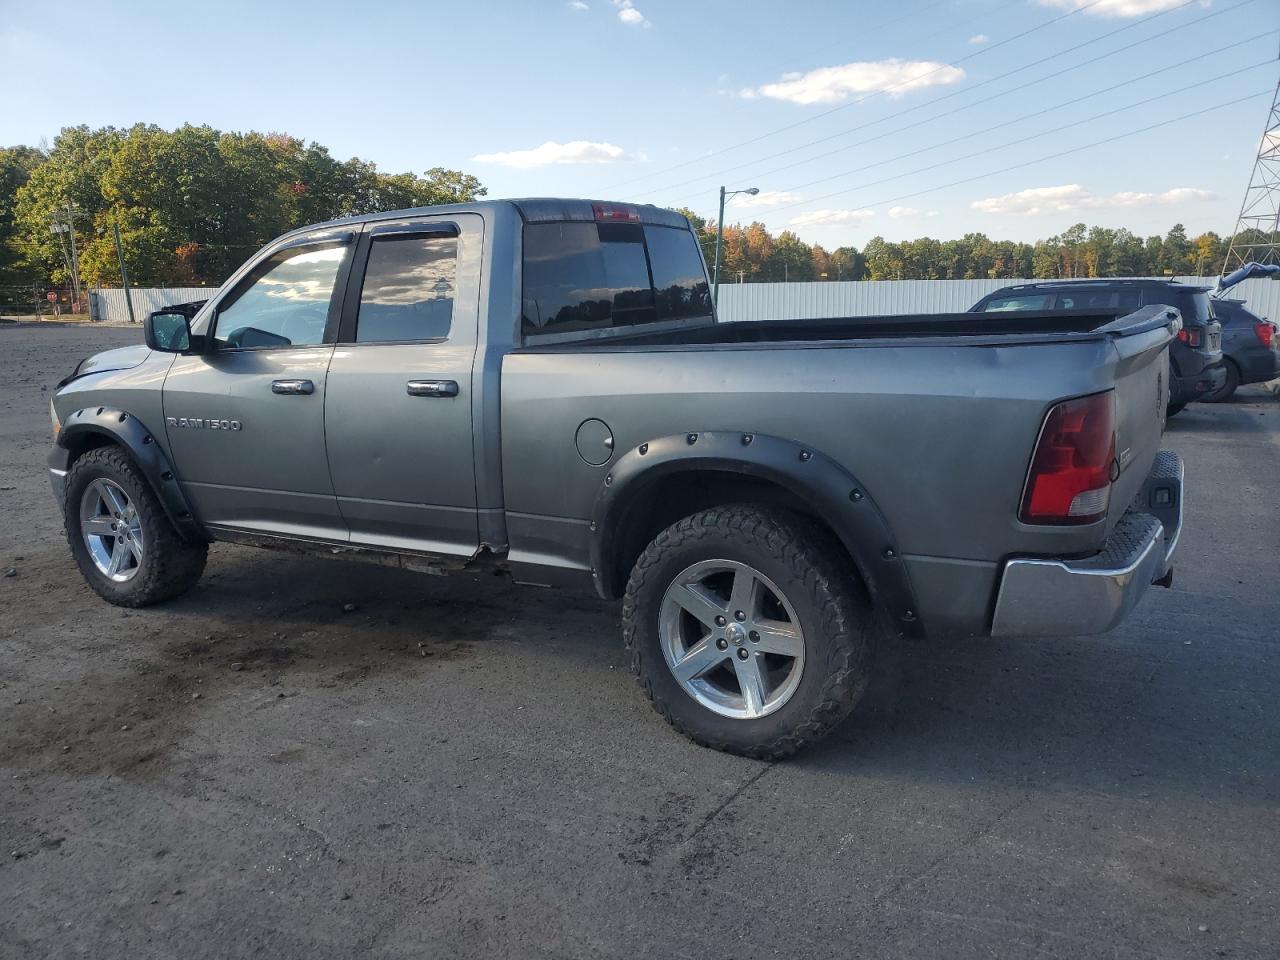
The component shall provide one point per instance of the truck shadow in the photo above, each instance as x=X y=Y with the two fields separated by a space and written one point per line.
x=1140 y=713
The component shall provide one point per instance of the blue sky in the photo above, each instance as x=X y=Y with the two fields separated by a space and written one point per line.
x=854 y=119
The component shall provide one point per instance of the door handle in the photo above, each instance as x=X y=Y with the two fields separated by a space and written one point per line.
x=292 y=386
x=432 y=388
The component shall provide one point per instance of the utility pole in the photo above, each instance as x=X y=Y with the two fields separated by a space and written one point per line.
x=715 y=275
x=124 y=274
x=75 y=260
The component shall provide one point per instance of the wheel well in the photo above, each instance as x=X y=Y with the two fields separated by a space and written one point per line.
x=682 y=494
x=82 y=443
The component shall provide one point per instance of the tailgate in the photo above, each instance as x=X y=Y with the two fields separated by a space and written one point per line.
x=1142 y=391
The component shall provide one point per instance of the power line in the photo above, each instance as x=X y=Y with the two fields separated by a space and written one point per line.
x=1052 y=156
x=888 y=89
x=1020 y=140
x=960 y=109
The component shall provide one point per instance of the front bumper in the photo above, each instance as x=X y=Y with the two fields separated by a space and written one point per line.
x=59 y=462
x=1041 y=597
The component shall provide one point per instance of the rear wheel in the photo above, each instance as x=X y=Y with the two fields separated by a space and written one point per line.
x=1229 y=385
x=748 y=630
x=125 y=546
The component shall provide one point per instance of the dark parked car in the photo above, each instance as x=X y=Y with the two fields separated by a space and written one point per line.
x=1250 y=346
x=1195 y=359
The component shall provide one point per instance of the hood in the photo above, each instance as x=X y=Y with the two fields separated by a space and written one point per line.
x=121 y=358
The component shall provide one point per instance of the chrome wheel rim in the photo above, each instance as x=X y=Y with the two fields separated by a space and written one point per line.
x=731 y=639
x=112 y=530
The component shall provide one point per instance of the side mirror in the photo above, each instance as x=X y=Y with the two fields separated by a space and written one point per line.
x=167 y=332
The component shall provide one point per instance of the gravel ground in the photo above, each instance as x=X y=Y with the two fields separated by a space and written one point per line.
x=464 y=768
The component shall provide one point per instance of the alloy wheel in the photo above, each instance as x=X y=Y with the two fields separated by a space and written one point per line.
x=731 y=639
x=112 y=530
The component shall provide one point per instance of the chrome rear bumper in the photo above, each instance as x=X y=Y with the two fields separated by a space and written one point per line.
x=1047 y=597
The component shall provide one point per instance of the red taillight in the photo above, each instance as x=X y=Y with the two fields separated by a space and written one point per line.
x=1191 y=337
x=1265 y=333
x=1071 y=471
x=615 y=213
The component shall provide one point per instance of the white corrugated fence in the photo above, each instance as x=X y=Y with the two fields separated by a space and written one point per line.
x=769 y=301
x=107 y=304
x=777 y=301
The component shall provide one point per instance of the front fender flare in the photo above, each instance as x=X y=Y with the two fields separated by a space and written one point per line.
x=836 y=496
x=129 y=432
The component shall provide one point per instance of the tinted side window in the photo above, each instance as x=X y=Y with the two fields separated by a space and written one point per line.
x=584 y=276
x=679 y=280
x=1025 y=301
x=286 y=301
x=408 y=289
x=1125 y=298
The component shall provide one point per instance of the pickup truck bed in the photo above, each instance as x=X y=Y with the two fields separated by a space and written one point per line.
x=935 y=416
x=540 y=386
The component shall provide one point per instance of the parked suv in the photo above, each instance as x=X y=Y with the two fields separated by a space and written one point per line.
x=1250 y=345
x=1196 y=370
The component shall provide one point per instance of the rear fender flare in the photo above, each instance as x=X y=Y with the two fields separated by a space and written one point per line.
x=837 y=497
x=126 y=430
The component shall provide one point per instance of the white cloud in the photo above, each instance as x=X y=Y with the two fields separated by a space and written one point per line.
x=765 y=198
x=1118 y=8
x=978 y=39
x=551 y=152
x=904 y=213
x=834 y=84
x=1072 y=196
x=577 y=5
x=629 y=15
x=831 y=218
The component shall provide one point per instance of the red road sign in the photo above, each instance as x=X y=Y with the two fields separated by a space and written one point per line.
x=51 y=296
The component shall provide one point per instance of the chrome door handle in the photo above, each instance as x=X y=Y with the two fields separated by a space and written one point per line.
x=292 y=386
x=432 y=388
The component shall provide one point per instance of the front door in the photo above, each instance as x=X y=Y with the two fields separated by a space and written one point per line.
x=245 y=418
x=399 y=398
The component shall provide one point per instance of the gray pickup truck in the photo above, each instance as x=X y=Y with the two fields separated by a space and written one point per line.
x=541 y=387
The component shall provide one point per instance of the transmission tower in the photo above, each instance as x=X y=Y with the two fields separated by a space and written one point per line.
x=1256 y=237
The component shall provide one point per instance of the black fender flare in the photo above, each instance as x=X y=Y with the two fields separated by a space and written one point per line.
x=836 y=495
x=126 y=430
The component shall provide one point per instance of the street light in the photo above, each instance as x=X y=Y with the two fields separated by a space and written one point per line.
x=715 y=276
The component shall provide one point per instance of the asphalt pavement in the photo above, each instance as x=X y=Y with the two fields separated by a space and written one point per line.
x=306 y=758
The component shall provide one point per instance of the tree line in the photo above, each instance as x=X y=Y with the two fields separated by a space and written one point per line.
x=191 y=204
x=753 y=254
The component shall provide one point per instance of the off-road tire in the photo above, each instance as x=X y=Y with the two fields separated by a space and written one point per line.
x=807 y=563
x=170 y=565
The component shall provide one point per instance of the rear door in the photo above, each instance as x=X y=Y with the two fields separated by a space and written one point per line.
x=398 y=401
x=245 y=419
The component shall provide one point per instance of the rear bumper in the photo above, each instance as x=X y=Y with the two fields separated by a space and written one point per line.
x=1186 y=389
x=1257 y=364
x=1048 y=597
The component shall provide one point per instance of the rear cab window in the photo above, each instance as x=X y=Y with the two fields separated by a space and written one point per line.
x=599 y=276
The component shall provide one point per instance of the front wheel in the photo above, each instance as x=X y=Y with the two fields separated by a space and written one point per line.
x=748 y=630
x=125 y=546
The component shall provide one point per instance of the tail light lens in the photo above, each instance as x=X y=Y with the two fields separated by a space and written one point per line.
x=1190 y=336
x=1072 y=468
x=1265 y=333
